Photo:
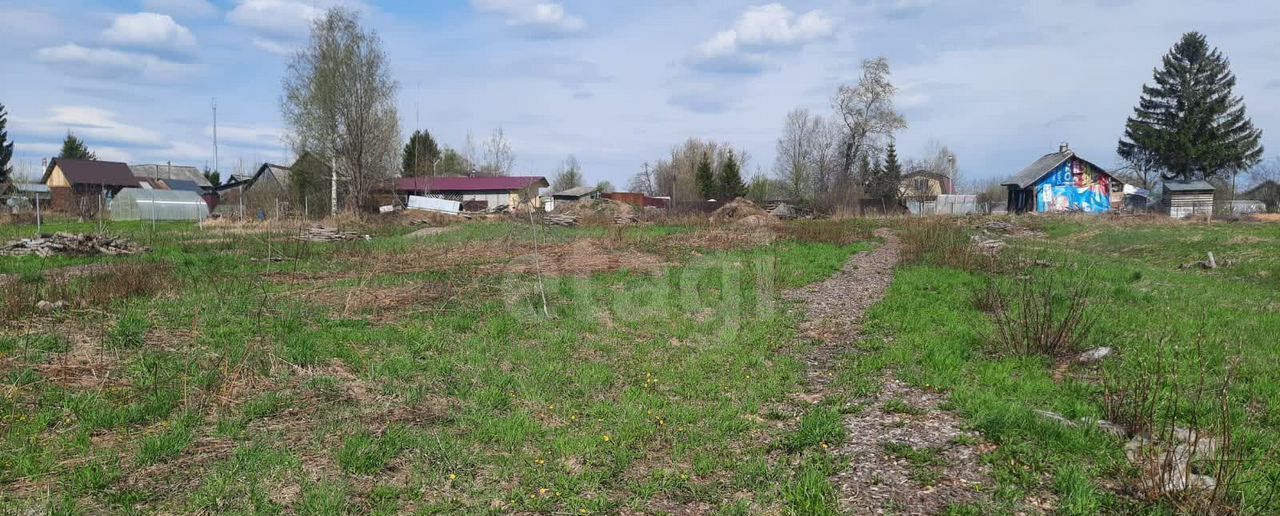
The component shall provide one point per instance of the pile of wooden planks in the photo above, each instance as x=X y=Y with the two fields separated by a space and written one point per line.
x=70 y=244
x=556 y=219
x=320 y=233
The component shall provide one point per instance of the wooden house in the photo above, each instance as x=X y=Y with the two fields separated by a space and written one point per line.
x=83 y=186
x=919 y=190
x=1182 y=199
x=1060 y=182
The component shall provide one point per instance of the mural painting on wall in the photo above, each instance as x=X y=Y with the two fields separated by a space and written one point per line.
x=1075 y=186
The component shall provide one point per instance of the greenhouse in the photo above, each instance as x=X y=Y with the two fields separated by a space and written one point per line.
x=140 y=204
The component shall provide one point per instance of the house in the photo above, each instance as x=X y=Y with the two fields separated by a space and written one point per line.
x=170 y=177
x=1060 y=182
x=264 y=190
x=83 y=186
x=919 y=190
x=476 y=193
x=1268 y=192
x=1182 y=199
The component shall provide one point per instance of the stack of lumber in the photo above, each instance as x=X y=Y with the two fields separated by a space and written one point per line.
x=70 y=244
x=320 y=233
x=561 y=220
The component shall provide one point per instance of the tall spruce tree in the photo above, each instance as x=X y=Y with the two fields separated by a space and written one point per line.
x=887 y=176
x=705 y=178
x=420 y=155
x=74 y=148
x=6 y=148
x=731 y=184
x=1190 y=124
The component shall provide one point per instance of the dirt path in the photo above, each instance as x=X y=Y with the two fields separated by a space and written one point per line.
x=906 y=455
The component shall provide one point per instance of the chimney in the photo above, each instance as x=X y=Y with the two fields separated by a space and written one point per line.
x=1063 y=147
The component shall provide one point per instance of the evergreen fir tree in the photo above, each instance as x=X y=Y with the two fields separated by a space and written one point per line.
x=74 y=148
x=705 y=178
x=731 y=184
x=6 y=148
x=889 y=175
x=1190 y=124
x=420 y=155
x=212 y=176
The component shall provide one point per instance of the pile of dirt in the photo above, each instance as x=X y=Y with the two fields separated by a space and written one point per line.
x=743 y=212
x=70 y=244
x=424 y=218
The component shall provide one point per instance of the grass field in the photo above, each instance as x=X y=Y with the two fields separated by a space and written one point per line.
x=234 y=369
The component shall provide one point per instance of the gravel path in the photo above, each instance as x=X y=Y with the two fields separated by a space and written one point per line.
x=906 y=455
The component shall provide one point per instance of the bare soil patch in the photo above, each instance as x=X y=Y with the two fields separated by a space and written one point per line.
x=583 y=257
x=915 y=461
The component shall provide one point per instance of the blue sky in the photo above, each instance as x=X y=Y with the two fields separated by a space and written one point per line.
x=618 y=83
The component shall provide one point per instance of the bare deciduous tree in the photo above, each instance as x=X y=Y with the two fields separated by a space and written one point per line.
x=867 y=112
x=644 y=181
x=568 y=176
x=796 y=148
x=340 y=101
x=498 y=156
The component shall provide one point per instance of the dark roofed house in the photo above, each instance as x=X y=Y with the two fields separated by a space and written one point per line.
x=577 y=193
x=511 y=191
x=80 y=186
x=1268 y=192
x=1181 y=199
x=165 y=173
x=920 y=189
x=1060 y=182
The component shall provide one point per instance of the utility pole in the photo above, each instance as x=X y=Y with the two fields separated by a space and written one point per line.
x=215 y=134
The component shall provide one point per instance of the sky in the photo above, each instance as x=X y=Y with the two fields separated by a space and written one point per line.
x=618 y=83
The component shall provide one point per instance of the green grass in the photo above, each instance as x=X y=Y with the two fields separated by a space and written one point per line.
x=928 y=331
x=236 y=382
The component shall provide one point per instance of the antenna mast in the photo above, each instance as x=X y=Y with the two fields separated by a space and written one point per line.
x=215 y=134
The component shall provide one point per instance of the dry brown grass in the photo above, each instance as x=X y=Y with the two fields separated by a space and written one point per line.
x=84 y=287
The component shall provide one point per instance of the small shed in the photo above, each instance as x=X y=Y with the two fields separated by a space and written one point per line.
x=577 y=194
x=1060 y=182
x=141 y=204
x=1182 y=199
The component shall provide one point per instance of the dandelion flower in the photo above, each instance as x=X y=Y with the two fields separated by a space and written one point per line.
x=453 y=476
x=606 y=438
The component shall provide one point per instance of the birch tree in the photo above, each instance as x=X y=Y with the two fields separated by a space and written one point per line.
x=867 y=112
x=340 y=102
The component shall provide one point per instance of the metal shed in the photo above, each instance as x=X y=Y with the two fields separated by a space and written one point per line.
x=140 y=204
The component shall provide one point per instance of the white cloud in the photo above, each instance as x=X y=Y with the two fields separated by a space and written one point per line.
x=182 y=8
x=279 y=18
x=252 y=137
x=758 y=31
x=151 y=31
x=274 y=46
x=92 y=124
x=545 y=18
x=115 y=64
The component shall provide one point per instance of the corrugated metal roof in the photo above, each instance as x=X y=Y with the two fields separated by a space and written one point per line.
x=468 y=184
x=1039 y=168
x=579 y=191
x=165 y=171
x=86 y=172
x=31 y=188
x=183 y=185
x=1188 y=186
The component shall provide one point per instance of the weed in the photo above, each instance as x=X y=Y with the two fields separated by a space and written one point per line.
x=810 y=493
x=822 y=425
x=130 y=330
x=896 y=406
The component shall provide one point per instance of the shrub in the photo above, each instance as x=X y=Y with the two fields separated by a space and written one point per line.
x=1040 y=316
x=942 y=242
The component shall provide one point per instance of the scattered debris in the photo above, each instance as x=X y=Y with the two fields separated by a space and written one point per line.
x=987 y=245
x=426 y=232
x=567 y=221
x=1171 y=466
x=1101 y=424
x=1094 y=355
x=783 y=211
x=320 y=233
x=70 y=244
x=45 y=306
x=1208 y=264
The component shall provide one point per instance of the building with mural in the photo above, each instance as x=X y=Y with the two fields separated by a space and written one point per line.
x=1061 y=182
